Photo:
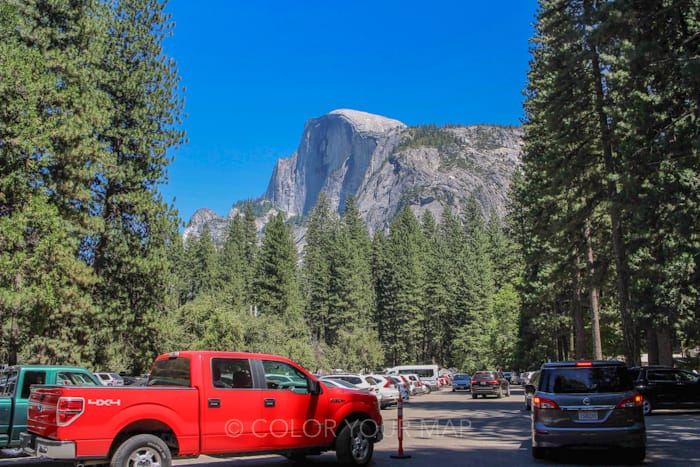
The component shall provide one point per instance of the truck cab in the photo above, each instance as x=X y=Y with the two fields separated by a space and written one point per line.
x=15 y=385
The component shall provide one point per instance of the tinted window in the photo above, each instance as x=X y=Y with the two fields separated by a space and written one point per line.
x=660 y=375
x=170 y=372
x=586 y=380
x=32 y=377
x=8 y=380
x=350 y=379
x=460 y=377
x=231 y=373
x=485 y=375
x=686 y=377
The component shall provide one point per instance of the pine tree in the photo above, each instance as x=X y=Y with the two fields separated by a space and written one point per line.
x=276 y=280
x=403 y=290
x=321 y=230
x=51 y=110
x=130 y=254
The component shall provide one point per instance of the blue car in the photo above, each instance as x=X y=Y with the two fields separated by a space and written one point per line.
x=461 y=381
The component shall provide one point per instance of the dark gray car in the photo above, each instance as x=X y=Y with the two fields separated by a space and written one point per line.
x=587 y=404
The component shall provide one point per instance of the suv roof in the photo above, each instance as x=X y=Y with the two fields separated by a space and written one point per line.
x=583 y=363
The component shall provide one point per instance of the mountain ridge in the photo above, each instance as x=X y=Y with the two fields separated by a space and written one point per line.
x=385 y=165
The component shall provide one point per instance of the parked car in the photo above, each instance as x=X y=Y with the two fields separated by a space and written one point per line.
x=530 y=388
x=461 y=381
x=339 y=383
x=360 y=381
x=485 y=383
x=417 y=386
x=588 y=404
x=402 y=385
x=110 y=379
x=666 y=388
x=388 y=390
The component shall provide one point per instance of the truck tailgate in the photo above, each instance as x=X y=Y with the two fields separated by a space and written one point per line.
x=91 y=416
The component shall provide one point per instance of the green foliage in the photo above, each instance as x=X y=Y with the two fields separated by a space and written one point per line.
x=277 y=291
x=427 y=136
x=610 y=158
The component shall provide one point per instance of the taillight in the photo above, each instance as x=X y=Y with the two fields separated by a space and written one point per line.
x=584 y=363
x=493 y=382
x=634 y=401
x=68 y=410
x=542 y=403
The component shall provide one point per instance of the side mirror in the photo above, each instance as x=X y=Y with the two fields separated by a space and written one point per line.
x=530 y=388
x=314 y=387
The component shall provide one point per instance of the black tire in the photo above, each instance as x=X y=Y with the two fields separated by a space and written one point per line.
x=539 y=453
x=142 y=450
x=634 y=456
x=296 y=457
x=647 y=408
x=474 y=396
x=352 y=446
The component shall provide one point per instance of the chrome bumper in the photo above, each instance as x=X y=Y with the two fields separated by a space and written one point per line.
x=34 y=445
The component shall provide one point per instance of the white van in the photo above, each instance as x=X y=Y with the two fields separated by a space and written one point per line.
x=428 y=374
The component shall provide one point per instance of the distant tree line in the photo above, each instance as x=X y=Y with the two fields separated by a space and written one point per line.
x=425 y=292
x=608 y=205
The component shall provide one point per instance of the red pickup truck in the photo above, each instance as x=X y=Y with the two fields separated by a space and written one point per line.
x=203 y=402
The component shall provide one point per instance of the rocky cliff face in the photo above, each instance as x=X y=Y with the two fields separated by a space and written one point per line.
x=386 y=165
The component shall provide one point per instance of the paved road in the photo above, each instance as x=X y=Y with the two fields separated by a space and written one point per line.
x=447 y=429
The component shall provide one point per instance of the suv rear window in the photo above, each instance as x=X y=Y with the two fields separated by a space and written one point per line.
x=586 y=379
x=485 y=375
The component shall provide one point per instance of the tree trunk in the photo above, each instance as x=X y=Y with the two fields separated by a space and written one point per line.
x=579 y=325
x=652 y=346
x=593 y=292
x=665 y=344
x=629 y=336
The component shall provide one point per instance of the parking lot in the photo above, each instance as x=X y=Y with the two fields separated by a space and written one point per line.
x=451 y=429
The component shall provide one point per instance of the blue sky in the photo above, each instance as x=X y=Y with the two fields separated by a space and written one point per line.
x=255 y=71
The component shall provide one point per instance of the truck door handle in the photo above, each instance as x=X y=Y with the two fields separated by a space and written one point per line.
x=214 y=403
x=269 y=402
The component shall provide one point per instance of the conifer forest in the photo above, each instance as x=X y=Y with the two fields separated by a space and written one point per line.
x=597 y=257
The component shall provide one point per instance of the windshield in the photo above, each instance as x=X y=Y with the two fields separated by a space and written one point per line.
x=586 y=380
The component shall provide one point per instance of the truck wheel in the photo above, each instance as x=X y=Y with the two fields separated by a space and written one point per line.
x=142 y=451
x=353 y=447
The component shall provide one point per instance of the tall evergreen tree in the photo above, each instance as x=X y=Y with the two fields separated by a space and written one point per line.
x=277 y=284
x=130 y=253
x=321 y=230
x=51 y=112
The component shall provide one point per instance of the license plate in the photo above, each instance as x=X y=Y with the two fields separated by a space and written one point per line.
x=483 y=383
x=588 y=415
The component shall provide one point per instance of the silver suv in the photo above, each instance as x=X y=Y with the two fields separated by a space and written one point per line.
x=587 y=404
